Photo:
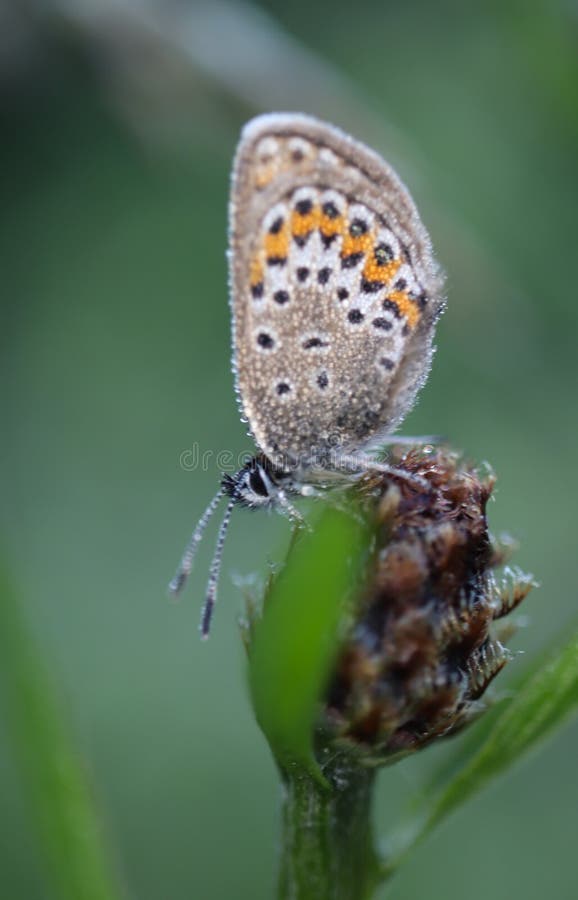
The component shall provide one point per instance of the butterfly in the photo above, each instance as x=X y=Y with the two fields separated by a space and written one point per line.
x=335 y=294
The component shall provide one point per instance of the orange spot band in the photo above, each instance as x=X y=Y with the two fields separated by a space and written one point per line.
x=329 y=226
x=303 y=224
x=406 y=307
x=361 y=243
x=277 y=244
x=256 y=272
x=373 y=271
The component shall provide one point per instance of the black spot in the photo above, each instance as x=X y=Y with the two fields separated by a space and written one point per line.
x=342 y=293
x=283 y=387
x=358 y=227
x=265 y=340
x=368 y=424
x=420 y=299
x=380 y=322
x=387 y=363
x=276 y=226
x=406 y=254
x=303 y=207
x=276 y=260
x=383 y=254
x=324 y=275
x=330 y=210
x=371 y=287
x=322 y=380
x=355 y=316
x=257 y=484
x=314 y=342
x=303 y=273
x=400 y=284
x=392 y=307
x=340 y=421
x=348 y=262
x=405 y=330
x=301 y=239
x=257 y=290
x=281 y=297
x=327 y=240
x=297 y=155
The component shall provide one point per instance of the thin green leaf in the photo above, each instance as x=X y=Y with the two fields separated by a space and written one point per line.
x=296 y=641
x=460 y=749
x=545 y=700
x=59 y=796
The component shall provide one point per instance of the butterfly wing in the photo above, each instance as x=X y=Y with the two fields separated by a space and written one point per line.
x=334 y=290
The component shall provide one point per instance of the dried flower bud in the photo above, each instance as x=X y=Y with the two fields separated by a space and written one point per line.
x=422 y=646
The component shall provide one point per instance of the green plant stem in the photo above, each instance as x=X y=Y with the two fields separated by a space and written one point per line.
x=327 y=839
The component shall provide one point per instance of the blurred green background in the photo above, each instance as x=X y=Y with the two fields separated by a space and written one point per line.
x=119 y=121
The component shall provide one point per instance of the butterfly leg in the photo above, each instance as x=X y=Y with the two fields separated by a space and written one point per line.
x=406 y=440
x=361 y=463
x=284 y=505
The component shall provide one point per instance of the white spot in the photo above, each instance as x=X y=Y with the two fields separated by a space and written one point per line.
x=328 y=157
x=387 y=369
x=267 y=149
x=307 y=257
x=276 y=279
x=282 y=388
x=348 y=279
x=358 y=211
x=351 y=172
x=405 y=272
x=321 y=380
x=359 y=319
x=386 y=236
x=384 y=332
x=304 y=193
x=334 y=197
x=330 y=256
x=279 y=211
x=299 y=146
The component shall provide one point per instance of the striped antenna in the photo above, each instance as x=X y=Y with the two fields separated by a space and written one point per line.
x=188 y=558
x=211 y=595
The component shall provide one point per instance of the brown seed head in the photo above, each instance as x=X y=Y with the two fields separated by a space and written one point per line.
x=422 y=646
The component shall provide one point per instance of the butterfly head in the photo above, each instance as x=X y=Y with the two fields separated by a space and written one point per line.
x=256 y=485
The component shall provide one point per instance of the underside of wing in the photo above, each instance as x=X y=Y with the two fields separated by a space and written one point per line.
x=334 y=290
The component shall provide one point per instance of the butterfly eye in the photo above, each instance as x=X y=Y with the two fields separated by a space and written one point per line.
x=257 y=483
